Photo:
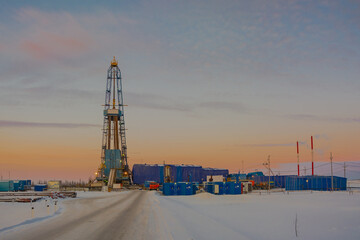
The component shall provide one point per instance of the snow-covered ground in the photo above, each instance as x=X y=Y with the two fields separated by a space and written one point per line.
x=15 y=214
x=279 y=215
x=319 y=215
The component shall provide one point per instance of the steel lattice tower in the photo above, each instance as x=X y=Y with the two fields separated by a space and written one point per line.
x=114 y=165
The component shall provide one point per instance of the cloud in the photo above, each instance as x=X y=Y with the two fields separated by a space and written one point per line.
x=311 y=117
x=274 y=144
x=34 y=96
x=6 y=124
x=51 y=46
x=232 y=106
x=152 y=101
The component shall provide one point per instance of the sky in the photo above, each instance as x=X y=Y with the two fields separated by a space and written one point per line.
x=214 y=83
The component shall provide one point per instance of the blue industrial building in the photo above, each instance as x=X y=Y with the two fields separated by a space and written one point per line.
x=178 y=173
x=253 y=174
x=293 y=182
x=316 y=183
x=15 y=185
x=275 y=181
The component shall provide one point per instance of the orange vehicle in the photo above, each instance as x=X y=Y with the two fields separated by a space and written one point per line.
x=154 y=186
x=252 y=182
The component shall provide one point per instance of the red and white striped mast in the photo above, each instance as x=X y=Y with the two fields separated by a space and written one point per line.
x=312 y=155
x=297 y=147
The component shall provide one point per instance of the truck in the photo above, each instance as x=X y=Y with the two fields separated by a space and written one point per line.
x=154 y=186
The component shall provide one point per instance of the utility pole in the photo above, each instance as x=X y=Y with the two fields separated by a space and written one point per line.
x=298 y=158
x=269 y=171
x=344 y=170
x=267 y=165
x=332 y=182
x=243 y=166
x=312 y=156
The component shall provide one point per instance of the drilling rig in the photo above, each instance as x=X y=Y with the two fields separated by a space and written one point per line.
x=114 y=166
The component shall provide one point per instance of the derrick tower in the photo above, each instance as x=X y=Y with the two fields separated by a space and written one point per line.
x=114 y=166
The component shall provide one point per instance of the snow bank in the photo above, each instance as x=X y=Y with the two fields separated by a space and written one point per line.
x=17 y=214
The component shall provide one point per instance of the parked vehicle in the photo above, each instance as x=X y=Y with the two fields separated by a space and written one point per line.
x=154 y=186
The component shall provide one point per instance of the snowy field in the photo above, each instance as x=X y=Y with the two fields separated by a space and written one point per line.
x=320 y=215
x=279 y=215
x=15 y=214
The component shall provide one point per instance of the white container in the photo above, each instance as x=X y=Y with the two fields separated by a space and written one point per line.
x=216 y=189
x=216 y=178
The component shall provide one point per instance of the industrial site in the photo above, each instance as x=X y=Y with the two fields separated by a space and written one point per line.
x=152 y=190
x=179 y=120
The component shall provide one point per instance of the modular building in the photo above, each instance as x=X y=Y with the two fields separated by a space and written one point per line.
x=15 y=185
x=221 y=188
x=179 y=188
x=6 y=186
x=40 y=187
x=54 y=184
x=178 y=173
x=317 y=183
x=275 y=181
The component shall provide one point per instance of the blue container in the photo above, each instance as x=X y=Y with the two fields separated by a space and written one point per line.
x=169 y=189
x=189 y=188
x=16 y=185
x=195 y=187
x=229 y=187
x=19 y=185
x=317 y=183
x=22 y=185
x=40 y=187
x=237 y=188
x=209 y=187
x=6 y=186
x=232 y=188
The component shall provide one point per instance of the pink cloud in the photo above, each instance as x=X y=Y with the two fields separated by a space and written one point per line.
x=34 y=49
x=52 y=35
x=48 y=45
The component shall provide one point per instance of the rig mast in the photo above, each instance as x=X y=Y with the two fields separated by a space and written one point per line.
x=114 y=165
